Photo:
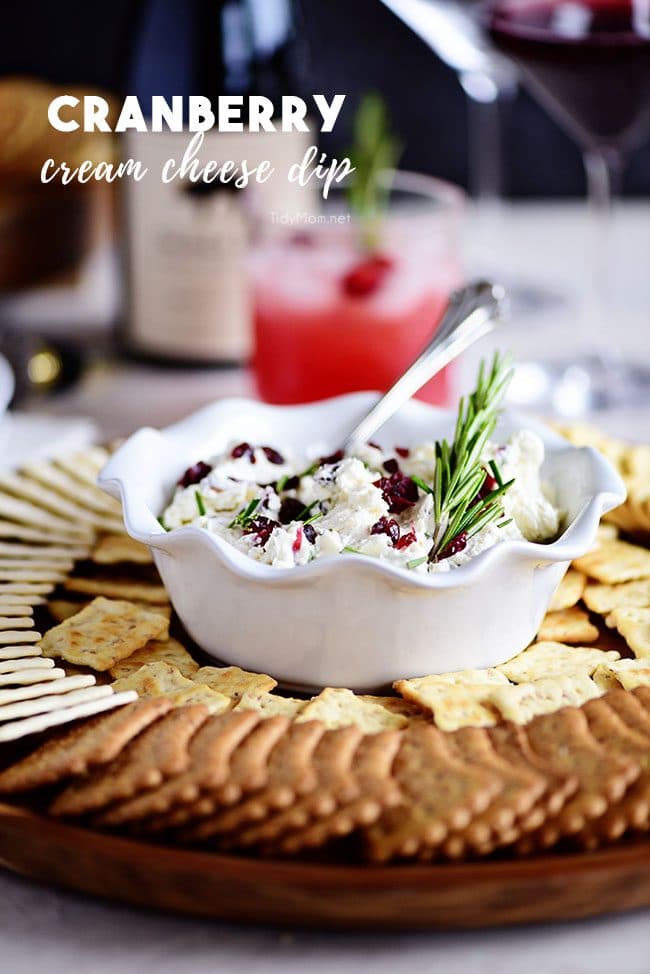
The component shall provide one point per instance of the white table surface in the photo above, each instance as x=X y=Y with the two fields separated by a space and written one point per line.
x=62 y=932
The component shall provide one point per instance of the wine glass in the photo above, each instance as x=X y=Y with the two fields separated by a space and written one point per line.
x=588 y=63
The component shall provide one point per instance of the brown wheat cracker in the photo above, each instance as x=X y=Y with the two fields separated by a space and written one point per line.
x=233 y=681
x=113 y=549
x=168 y=651
x=372 y=765
x=634 y=626
x=569 y=591
x=338 y=707
x=522 y=788
x=159 y=752
x=525 y=701
x=270 y=704
x=567 y=626
x=633 y=808
x=603 y=599
x=115 y=589
x=94 y=743
x=615 y=561
x=290 y=774
x=210 y=752
x=547 y=659
x=335 y=786
x=564 y=740
x=626 y=673
x=632 y=708
x=441 y=794
x=103 y=633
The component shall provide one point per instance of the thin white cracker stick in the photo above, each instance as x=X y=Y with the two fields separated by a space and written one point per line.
x=32 y=575
x=40 y=535
x=30 y=676
x=45 y=705
x=19 y=652
x=22 y=598
x=47 y=552
x=34 y=516
x=24 y=488
x=84 y=466
x=12 y=638
x=29 y=663
x=92 y=497
x=13 y=622
x=33 y=565
x=61 y=685
x=32 y=725
x=15 y=610
x=25 y=588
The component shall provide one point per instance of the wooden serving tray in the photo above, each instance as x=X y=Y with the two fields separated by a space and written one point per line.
x=477 y=894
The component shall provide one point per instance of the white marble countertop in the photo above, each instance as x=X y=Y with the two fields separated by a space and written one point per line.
x=61 y=932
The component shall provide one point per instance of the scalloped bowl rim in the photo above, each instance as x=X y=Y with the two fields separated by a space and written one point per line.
x=572 y=542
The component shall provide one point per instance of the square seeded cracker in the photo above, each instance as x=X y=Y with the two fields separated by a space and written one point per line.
x=103 y=633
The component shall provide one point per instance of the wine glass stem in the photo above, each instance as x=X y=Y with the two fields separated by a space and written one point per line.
x=603 y=168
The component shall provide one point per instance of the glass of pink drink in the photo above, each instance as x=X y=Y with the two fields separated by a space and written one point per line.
x=333 y=316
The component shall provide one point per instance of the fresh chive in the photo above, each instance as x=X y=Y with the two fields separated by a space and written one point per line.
x=245 y=515
x=199 y=502
x=416 y=562
x=310 y=470
x=314 y=517
x=280 y=483
x=161 y=522
x=353 y=551
x=306 y=513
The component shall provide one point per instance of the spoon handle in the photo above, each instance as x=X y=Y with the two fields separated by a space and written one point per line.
x=472 y=312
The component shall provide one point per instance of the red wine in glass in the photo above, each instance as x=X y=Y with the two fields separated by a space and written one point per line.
x=587 y=60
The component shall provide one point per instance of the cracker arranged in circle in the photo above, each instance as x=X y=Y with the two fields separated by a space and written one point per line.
x=15 y=622
x=62 y=684
x=46 y=534
x=338 y=707
x=458 y=699
x=605 y=598
x=38 y=523
x=615 y=561
x=113 y=549
x=88 y=496
x=442 y=793
x=634 y=626
x=198 y=693
x=36 y=725
x=569 y=591
x=159 y=752
x=626 y=673
x=115 y=589
x=62 y=609
x=81 y=749
x=156 y=679
x=50 y=553
x=167 y=651
x=271 y=705
x=233 y=681
x=567 y=626
x=547 y=659
x=103 y=633
x=16 y=611
x=51 y=702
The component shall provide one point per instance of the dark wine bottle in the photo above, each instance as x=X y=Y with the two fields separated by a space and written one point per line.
x=186 y=241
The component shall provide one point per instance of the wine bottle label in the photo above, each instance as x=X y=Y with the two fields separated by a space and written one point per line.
x=189 y=296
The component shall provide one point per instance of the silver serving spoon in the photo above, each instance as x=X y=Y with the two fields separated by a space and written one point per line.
x=472 y=312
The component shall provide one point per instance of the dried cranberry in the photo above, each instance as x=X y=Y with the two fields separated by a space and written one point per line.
x=243 y=450
x=391 y=465
x=488 y=485
x=272 y=455
x=387 y=526
x=399 y=492
x=262 y=527
x=452 y=547
x=335 y=457
x=402 y=451
x=194 y=474
x=309 y=532
x=367 y=276
x=290 y=510
x=297 y=541
x=406 y=540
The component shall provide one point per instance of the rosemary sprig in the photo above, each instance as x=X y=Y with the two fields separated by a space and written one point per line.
x=459 y=473
x=245 y=516
x=375 y=150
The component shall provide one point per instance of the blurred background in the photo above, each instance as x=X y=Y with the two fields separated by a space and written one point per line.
x=135 y=304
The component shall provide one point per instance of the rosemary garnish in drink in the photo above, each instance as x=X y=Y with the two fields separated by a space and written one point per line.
x=374 y=153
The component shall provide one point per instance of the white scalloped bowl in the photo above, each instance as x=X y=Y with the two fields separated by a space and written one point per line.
x=349 y=620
